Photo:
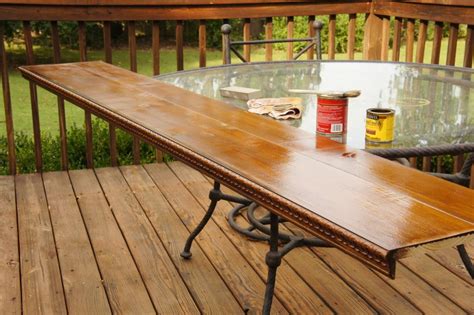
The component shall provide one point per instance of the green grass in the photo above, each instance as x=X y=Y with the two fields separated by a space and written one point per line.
x=48 y=104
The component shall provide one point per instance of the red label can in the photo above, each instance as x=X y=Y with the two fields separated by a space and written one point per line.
x=331 y=115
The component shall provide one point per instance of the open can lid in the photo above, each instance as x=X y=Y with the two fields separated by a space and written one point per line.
x=338 y=94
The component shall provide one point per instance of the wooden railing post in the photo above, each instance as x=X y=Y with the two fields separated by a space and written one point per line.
x=373 y=36
x=226 y=29
x=7 y=104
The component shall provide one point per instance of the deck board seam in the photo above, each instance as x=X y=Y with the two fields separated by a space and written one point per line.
x=55 y=244
x=90 y=242
x=198 y=243
x=159 y=238
x=155 y=307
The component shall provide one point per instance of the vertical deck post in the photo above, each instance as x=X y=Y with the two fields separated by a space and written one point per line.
x=373 y=36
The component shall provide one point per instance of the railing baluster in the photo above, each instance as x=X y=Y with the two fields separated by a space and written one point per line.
x=290 y=30
x=426 y=163
x=469 y=47
x=351 y=35
x=179 y=45
x=268 y=36
x=458 y=161
x=311 y=34
x=61 y=110
x=385 y=37
x=108 y=58
x=132 y=46
x=421 y=42
x=202 y=43
x=34 y=98
x=332 y=37
x=87 y=115
x=247 y=48
x=437 y=37
x=410 y=40
x=7 y=103
x=155 y=47
x=452 y=44
x=397 y=38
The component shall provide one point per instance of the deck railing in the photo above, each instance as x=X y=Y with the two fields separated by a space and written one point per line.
x=377 y=34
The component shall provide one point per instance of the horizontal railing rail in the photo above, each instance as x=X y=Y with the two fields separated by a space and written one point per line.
x=382 y=19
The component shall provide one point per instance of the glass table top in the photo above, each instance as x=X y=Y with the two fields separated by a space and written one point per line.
x=433 y=105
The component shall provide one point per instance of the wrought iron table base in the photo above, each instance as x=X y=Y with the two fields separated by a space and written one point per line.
x=272 y=235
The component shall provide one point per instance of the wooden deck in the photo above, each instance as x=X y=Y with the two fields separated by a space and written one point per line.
x=108 y=240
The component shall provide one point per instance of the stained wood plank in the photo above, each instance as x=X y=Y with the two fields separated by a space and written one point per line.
x=246 y=37
x=443 y=280
x=421 y=42
x=165 y=286
x=179 y=45
x=397 y=38
x=332 y=37
x=336 y=294
x=243 y=281
x=83 y=287
x=132 y=47
x=10 y=292
x=123 y=283
x=30 y=60
x=208 y=289
x=41 y=284
x=351 y=33
x=268 y=35
x=7 y=104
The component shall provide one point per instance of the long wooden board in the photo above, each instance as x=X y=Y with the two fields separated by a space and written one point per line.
x=375 y=223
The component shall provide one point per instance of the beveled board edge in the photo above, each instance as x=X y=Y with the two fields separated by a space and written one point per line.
x=379 y=258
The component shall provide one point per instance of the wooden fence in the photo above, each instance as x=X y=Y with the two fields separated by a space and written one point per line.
x=377 y=35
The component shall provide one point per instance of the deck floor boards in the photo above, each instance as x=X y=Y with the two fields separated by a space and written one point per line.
x=96 y=241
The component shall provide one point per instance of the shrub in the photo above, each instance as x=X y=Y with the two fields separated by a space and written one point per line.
x=51 y=146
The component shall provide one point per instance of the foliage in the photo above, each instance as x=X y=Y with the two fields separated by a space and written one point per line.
x=76 y=149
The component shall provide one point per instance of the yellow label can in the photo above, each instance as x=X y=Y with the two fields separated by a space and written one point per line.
x=379 y=125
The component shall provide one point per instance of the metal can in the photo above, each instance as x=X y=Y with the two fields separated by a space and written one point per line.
x=331 y=114
x=379 y=125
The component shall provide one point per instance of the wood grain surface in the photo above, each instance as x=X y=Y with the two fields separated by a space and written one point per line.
x=350 y=201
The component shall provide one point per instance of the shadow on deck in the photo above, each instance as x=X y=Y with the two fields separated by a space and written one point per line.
x=108 y=240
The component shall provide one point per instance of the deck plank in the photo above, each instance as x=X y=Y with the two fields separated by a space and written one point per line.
x=319 y=277
x=83 y=287
x=457 y=290
x=207 y=287
x=122 y=281
x=450 y=259
x=42 y=289
x=224 y=253
x=165 y=286
x=10 y=293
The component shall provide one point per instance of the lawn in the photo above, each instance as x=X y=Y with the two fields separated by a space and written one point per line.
x=47 y=102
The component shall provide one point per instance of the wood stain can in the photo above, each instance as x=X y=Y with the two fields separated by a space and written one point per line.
x=332 y=108
x=379 y=125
